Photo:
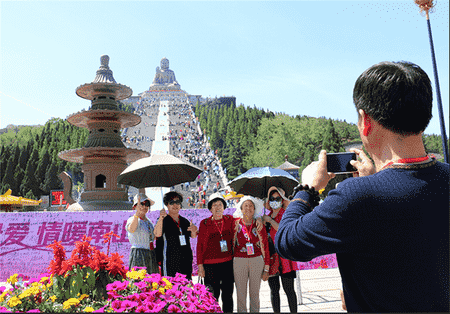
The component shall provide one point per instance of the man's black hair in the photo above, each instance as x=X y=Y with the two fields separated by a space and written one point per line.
x=398 y=95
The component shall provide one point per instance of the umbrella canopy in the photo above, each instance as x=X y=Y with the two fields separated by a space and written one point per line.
x=8 y=199
x=257 y=181
x=158 y=170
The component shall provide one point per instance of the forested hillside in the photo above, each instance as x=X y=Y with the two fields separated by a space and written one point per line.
x=244 y=137
x=29 y=163
x=248 y=137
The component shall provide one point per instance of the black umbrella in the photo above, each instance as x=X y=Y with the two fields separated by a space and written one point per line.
x=257 y=181
x=158 y=170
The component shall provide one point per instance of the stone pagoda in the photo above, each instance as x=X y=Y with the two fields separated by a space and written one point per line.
x=104 y=156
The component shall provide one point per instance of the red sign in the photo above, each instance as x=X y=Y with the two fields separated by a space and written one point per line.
x=57 y=198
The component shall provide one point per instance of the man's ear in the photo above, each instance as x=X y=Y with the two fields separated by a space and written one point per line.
x=367 y=122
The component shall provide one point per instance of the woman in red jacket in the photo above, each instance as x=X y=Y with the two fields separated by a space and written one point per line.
x=214 y=251
x=251 y=253
x=277 y=203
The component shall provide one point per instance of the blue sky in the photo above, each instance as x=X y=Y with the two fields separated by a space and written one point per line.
x=297 y=57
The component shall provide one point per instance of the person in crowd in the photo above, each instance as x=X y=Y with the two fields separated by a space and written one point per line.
x=251 y=253
x=277 y=203
x=173 y=234
x=140 y=234
x=389 y=224
x=215 y=251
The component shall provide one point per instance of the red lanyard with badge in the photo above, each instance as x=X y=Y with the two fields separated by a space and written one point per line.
x=182 y=236
x=223 y=243
x=249 y=245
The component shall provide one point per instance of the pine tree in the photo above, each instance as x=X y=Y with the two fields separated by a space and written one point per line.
x=4 y=158
x=331 y=141
x=51 y=181
x=8 y=179
x=41 y=169
x=29 y=182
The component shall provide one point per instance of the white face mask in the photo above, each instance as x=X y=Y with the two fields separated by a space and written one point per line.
x=275 y=204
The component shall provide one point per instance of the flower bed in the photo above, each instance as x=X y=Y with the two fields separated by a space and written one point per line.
x=92 y=281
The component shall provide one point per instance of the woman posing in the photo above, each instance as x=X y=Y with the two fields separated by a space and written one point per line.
x=251 y=253
x=173 y=233
x=215 y=251
x=140 y=234
x=277 y=203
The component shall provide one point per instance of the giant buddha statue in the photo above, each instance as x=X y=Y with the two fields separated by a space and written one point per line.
x=164 y=77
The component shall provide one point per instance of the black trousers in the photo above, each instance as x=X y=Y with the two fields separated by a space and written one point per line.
x=220 y=277
x=287 y=280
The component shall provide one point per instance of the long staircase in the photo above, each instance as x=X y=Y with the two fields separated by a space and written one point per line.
x=171 y=127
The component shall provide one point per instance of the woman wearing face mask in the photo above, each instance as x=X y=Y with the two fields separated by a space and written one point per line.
x=277 y=203
x=173 y=233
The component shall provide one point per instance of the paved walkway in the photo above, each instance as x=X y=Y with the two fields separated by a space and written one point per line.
x=320 y=293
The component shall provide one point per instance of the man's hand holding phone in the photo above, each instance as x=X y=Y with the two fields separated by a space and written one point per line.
x=316 y=174
x=365 y=167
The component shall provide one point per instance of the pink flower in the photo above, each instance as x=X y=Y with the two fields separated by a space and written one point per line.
x=141 y=285
x=169 y=298
x=134 y=297
x=113 y=295
x=141 y=309
x=156 y=308
x=122 y=285
x=128 y=305
x=34 y=311
x=116 y=305
x=173 y=309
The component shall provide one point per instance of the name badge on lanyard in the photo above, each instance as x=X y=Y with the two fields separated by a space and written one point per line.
x=250 y=249
x=182 y=238
x=223 y=246
x=249 y=245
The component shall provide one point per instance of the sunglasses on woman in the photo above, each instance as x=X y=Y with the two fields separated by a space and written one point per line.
x=172 y=202
x=278 y=199
x=146 y=203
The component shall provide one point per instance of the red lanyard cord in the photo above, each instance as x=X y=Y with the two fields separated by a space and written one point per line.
x=177 y=223
x=221 y=229
x=407 y=161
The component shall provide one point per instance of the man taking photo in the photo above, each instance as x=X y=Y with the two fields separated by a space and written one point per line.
x=389 y=225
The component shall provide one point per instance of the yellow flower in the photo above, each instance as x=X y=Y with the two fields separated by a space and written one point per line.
x=2 y=296
x=142 y=272
x=43 y=279
x=53 y=298
x=154 y=285
x=35 y=284
x=13 y=279
x=162 y=290
x=88 y=309
x=14 y=301
x=83 y=296
x=168 y=284
x=72 y=301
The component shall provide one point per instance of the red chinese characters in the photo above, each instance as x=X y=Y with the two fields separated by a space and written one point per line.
x=16 y=233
